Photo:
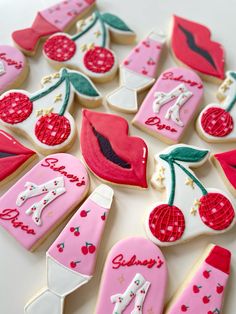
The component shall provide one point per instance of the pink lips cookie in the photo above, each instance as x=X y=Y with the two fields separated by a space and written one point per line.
x=42 y=198
x=134 y=279
x=13 y=67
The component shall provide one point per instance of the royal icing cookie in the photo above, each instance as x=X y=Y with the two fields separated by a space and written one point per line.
x=137 y=73
x=13 y=157
x=57 y=18
x=170 y=105
x=216 y=121
x=32 y=207
x=13 y=68
x=72 y=257
x=110 y=153
x=203 y=290
x=88 y=50
x=134 y=279
x=192 y=46
x=44 y=116
x=200 y=211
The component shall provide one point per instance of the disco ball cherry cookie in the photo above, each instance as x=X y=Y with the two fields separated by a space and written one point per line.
x=190 y=209
x=88 y=50
x=44 y=116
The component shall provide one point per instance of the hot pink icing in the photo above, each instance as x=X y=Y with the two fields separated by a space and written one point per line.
x=76 y=182
x=169 y=80
x=117 y=278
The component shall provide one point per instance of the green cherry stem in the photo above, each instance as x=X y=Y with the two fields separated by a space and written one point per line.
x=67 y=97
x=233 y=101
x=173 y=183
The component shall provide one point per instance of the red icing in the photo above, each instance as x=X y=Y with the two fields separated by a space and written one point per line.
x=99 y=60
x=159 y=126
x=59 y=48
x=227 y=162
x=220 y=259
x=205 y=49
x=131 y=149
x=9 y=61
x=170 y=76
x=119 y=261
x=216 y=211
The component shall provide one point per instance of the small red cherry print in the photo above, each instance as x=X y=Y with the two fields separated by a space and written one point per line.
x=84 y=250
x=126 y=62
x=72 y=264
x=137 y=50
x=83 y=213
x=210 y=312
x=60 y=249
x=92 y=249
x=103 y=217
x=72 y=229
x=206 y=299
x=76 y=233
x=144 y=72
x=58 y=245
x=196 y=288
x=219 y=288
x=184 y=308
x=206 y=274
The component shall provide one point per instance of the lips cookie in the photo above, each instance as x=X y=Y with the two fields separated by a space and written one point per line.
x=71 y=259
x=171 y=104
x=134 y=279
x=88 y=50
x=110 y=153
x=42 y=198
x=13 y=68
x=190 y=209
x=13 y=157
x=44 y=116
x=203 y=290
x=191 y=45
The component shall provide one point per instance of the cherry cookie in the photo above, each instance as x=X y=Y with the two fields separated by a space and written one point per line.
x=203 y=290
x=32 y=208
x=71 y=259
x=215 y=123
x=43 y=116
x=134 y=279
x=88 y=50
x=191 y=209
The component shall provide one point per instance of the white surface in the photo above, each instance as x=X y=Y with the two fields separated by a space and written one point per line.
x=22 y=273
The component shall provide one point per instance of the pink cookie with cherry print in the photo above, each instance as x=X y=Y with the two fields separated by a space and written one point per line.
x=33 y=206
x=203 y=291
x=13 y=67
x=170 y=105
x=134 y=279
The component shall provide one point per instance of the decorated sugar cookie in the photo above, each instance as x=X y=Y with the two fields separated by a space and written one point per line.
x=13 y=68
x=44 y=116
x=192 y=46
x=88 y=50
x=134 y=279
x=110 y=153
x=42 y=198
x=170 y=105
x=216 y=121
x=190 y=209
x=71 y=259
x=57 y=18
x=137 y=73
x=13 y=157
x=203 y=290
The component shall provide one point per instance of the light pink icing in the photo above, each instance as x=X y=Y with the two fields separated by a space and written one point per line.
x=61 y=14
x=54 y=211
x=169 y=80
x=13 y=62
x=116 y=281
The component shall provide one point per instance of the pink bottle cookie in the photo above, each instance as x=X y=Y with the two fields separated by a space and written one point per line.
x=170 y=105
x=72 y=257
x=137 y=73
x=32 y=207
x=57 y=18
x=88 y=50
x=44 y=116
x=190 y=209
x=13 y=68
x=215 y=123
x=134 y=279
x=203 y=290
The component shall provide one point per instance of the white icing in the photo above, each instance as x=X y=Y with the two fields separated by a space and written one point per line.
x=140 y=298
x=102 y=196
x=158 y=36
x=2 y=68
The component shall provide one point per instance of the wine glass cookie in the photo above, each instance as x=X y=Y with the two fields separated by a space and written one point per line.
x=190 y=209
x=215 y=123
x=137 y=73
x=44 y=116
x=88 y=50
x=71 y=259
x=204 y=288
x=134 y=279
x=170 y=105
x=110 y=153
x=43 y=198
x=13 y=67
x=57 y=18
x=192 y=46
